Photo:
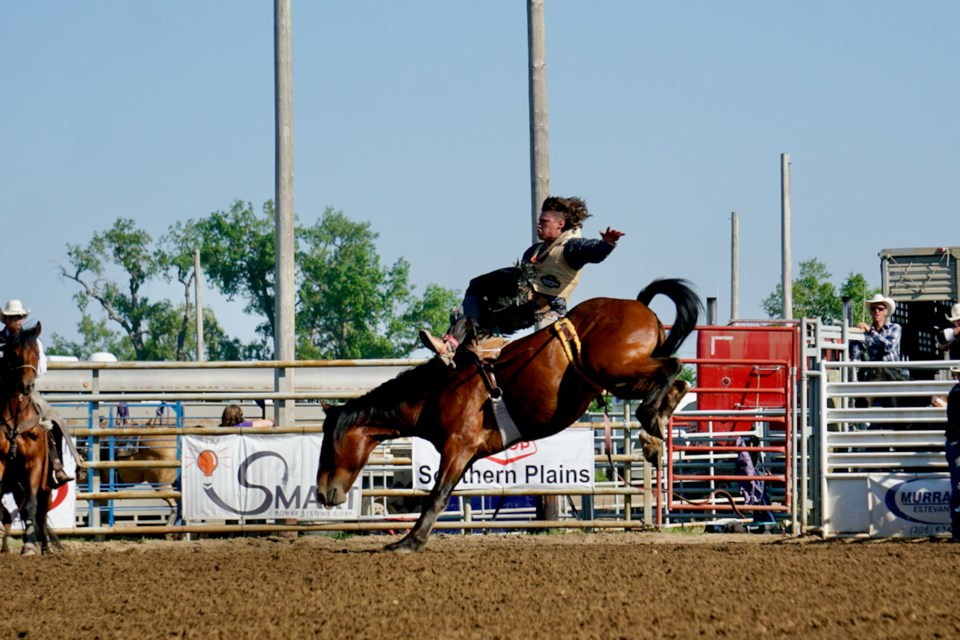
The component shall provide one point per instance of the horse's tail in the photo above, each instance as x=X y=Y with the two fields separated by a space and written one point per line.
x=689 y=307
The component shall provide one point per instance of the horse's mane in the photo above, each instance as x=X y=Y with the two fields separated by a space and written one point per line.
x=386 y=402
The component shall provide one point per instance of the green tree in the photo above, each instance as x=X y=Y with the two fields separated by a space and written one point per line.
x=351 y=306
x=859 y=291
x=129 y=248
x=95 y=335
x=237 y=250
x=147 y=329
x=814 y=296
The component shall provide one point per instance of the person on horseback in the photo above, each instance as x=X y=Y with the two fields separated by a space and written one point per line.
x=13 y=316
x=507 y=300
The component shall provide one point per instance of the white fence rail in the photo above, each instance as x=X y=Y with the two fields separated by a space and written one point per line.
x=862 y=438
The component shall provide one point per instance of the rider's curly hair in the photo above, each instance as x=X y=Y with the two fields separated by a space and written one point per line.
x=574 y=210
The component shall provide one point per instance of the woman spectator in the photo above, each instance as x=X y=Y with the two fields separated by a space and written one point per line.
x=233 y=417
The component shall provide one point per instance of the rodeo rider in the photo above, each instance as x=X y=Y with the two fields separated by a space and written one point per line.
x=539 y=284
x=13 y=316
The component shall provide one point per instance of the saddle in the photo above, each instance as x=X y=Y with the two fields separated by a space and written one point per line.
x=488 y=349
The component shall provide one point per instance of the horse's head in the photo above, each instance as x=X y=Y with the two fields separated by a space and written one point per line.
x=352 y=430
x=21 y=359
x=347 y=444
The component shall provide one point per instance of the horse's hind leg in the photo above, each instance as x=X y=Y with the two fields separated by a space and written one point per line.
x=49 y=542
x=7 y=521
x=657 y=423
x=659 y=392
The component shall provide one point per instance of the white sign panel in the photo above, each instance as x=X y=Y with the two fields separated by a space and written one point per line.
x=63 y=500
x=909 y=506
x=265 y=477
x=561 y=461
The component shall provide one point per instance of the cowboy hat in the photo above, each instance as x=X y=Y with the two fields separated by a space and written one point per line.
x=15 y=308
x=954 y=314
x=955 y=371
x=879 y=299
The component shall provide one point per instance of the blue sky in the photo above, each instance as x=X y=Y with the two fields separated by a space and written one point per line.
x=413 y=116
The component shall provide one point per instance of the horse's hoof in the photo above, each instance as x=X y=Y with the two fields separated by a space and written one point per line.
x=404 y=546
x=28 y=550
x=652 y=448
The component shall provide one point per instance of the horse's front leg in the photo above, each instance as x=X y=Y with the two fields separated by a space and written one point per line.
x=28 y=513
x=29 y=510
x=452 y=466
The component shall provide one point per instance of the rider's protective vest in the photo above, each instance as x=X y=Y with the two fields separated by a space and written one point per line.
x=554 y=276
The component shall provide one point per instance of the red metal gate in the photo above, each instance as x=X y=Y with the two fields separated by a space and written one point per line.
x=732 y=455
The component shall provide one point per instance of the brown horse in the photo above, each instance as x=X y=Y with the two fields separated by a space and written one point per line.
x=24 y=465
x=147 y=448
x=547 y=381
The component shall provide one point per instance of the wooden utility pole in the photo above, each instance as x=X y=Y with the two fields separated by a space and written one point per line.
x=199 y=303
x=547 y=506
x=284 y=275
x=539 y=139
x=734 y=266
x=787 y=283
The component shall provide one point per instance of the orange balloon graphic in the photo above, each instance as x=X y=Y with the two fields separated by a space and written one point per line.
x=207 y=461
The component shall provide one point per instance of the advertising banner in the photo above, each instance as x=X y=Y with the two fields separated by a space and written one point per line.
x=909 y=506
x=63 y=500
x=561 y=461
x=256 y=476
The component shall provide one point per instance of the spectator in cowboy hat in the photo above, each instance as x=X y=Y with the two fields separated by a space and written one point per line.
x=13 y=316
x=947 y=338
x=952 y=451
x=881 y=338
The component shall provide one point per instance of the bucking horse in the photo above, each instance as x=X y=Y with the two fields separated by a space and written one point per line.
x=536 y=387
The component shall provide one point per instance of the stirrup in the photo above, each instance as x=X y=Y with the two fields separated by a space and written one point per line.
x=61 y=477
x=447 y=357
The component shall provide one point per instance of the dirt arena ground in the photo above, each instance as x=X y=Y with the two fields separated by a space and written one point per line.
x=573 y=585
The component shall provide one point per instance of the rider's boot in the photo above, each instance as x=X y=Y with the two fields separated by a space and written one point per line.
x=446 y=347
x=59 y=474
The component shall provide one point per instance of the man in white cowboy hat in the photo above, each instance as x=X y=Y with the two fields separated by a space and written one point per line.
x=947 y=338
x=13 y=316
x=881 y=338
x=952 y=451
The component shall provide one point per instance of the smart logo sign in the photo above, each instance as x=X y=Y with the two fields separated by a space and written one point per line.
x=903 y=505
x=562 y=460
x=256 y=477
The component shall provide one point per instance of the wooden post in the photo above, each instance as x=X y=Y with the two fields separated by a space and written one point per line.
x=785 y=236
x=198 y=303
x=539 y=138
x=284 y=276
x=734 y=266
x=547 y=506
